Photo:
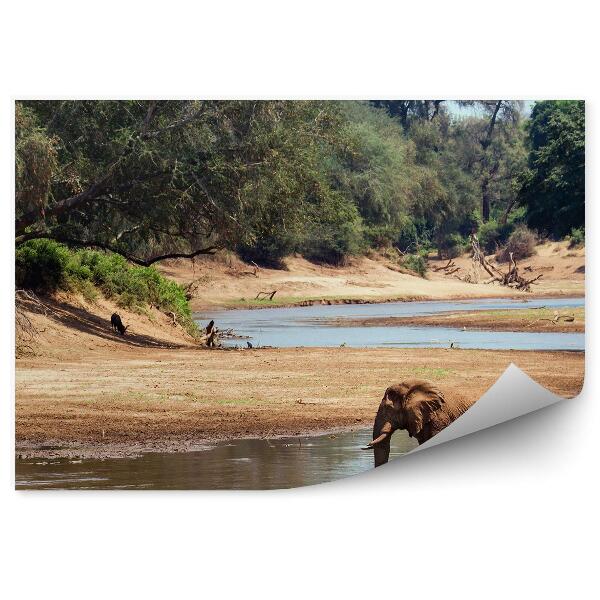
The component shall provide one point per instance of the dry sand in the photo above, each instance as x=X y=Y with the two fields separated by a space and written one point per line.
x=225 y=281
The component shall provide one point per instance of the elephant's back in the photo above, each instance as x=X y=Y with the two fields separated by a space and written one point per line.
x=452 y=408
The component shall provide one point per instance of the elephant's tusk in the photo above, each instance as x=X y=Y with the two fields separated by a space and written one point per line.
x=377 y=440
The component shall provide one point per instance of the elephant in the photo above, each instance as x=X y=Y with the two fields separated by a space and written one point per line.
x=416 y=405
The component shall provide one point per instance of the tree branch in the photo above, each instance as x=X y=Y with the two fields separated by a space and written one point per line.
x=95 y=192
x=175 y=125
x=92 y=192
x=143 y=262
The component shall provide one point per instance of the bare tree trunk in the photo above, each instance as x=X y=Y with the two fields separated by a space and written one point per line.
x=507 y=212
x=485 y=200
x=490 y=130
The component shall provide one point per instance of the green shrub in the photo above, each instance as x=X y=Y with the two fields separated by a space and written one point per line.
x=492 y=235
x=332 y=246
x=454 y=245
x=521 y=243
x=379 y=236
x=416 y=263
x=40 y=265
x=267 y=250
x=411 y=236
x=576 y=238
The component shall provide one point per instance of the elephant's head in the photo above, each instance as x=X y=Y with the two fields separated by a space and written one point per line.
x=407 y=405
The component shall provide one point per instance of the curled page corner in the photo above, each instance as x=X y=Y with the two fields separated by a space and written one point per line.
x=513 y=395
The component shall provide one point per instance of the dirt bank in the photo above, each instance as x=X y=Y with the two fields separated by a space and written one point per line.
x=530 y=319
x=64 y=325
x=120 y=400
x=225 y=281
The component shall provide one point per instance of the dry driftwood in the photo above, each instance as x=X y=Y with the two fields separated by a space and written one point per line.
x=26 y=332
x=270 y=295
x=555 y=319
x=511 y=278
x=448 y=266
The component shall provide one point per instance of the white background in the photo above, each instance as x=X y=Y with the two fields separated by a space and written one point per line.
x=507 y=513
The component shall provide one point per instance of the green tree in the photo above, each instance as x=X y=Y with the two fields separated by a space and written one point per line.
x=154 y=179
x=553 y=189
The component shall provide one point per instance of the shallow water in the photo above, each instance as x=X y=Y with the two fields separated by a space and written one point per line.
x=312 y=326
x=239 y=465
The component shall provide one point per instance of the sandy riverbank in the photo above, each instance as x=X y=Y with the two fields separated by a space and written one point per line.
x=530 y=319
x=127 y=400
x=223 y=281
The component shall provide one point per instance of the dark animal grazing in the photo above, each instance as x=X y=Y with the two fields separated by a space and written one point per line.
x=249 y=344
x=417 y=406
x=117 y=324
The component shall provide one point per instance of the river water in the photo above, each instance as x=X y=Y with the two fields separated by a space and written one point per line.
x=314 y=326
x=252 y=464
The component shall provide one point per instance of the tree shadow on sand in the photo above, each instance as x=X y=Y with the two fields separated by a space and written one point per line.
x=82 y=320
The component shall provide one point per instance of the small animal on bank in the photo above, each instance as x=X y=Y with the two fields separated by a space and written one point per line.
x=416 y=405
x=209 y=328
x=117 y=324
x=249 y=344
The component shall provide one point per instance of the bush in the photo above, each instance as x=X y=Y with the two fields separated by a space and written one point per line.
x=44 y=265
x=332 y=245
x=454 y=245
x=379 y=236
x=267 y=250
x=576 y=238
x=416 y=263
x=412 y=236
x=40 y=265
x=492 y=235
x=521 y=244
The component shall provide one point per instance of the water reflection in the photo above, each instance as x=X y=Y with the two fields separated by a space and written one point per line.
x=241 y=464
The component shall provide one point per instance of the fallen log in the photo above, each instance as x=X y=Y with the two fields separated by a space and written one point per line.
x=270 y=295
x=449 y=265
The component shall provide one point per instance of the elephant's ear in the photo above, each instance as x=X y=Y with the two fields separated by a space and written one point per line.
x=421 y=401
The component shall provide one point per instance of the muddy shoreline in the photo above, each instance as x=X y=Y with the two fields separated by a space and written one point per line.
x=198 y=307
x=532 y=320
x=56 y=449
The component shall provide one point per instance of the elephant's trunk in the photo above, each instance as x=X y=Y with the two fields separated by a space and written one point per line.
x=382 y=434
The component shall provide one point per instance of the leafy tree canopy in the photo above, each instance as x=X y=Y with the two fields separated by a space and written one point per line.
x=553 y=189
x=156 y=179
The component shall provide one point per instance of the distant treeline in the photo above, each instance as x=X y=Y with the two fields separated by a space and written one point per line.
x=327 y=179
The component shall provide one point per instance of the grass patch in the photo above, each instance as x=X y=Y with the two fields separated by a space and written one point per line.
x=432 y=373
x=235 y=401
x=283 y=301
